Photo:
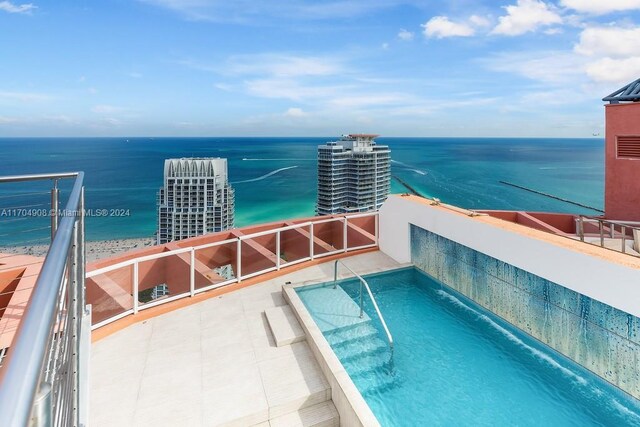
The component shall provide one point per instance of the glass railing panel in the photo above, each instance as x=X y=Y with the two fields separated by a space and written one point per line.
x=361 y=231
x=258 y=254
x=110 y=294
x=295 y=244
x=215 y=265
x=164 y=277
x=328 y=237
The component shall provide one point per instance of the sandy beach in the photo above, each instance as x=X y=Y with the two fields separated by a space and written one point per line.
x=95 y=250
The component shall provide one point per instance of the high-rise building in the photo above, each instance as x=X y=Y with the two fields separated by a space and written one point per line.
x=354 y=175
x=196 y=198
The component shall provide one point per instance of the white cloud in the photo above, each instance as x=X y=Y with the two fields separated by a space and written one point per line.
x=405 y=35
x=553 y=31
x=441 y=27
x=619 y=71
x=7 y=6
x=243 y=11
x=479 y=21
x=282 y=65
x=106 y=109
x=295 y=112
x=24 y=96
x=525 y=16
x=614 y=53
x=355 y=100
x=609 y=41
x=552 y=67
x=601 y=7
x=135 y=75
x=290 y=89
x=385 y=46
x=223 y=86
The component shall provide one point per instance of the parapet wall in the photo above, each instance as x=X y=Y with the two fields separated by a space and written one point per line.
x=578 y=299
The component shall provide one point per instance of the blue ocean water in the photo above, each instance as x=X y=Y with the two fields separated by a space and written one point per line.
x=124 y=174
x=455 y=363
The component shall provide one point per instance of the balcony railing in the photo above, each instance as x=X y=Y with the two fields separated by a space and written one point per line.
x=125 y=288
x=43 y=379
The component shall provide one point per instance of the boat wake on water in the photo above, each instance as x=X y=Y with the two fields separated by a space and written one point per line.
x=412 y=168
x=265 y=176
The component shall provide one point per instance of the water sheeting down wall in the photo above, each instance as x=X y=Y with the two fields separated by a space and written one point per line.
x=601 y=338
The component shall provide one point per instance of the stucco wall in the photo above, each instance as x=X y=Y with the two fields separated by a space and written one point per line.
x=615 y=284
x=622 y=186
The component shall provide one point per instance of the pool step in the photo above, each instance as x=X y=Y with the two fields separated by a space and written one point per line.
x=381 y=386
x=284 y=325
x=320 y=415
x=356 y=350
x=333 y=309
x=367 y=362
x=355 y=332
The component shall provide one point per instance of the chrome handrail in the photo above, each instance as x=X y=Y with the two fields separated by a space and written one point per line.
x=373 y=300
x=28 y=373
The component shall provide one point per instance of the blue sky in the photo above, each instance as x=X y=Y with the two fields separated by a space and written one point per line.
x=306 y=68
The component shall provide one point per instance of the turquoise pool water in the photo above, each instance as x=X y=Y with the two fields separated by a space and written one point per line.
x=454 y=363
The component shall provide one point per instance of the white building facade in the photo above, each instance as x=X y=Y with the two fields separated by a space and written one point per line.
x=196 y=199
x=354 y=175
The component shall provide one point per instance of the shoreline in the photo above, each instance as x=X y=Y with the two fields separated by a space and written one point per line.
x=95 y=250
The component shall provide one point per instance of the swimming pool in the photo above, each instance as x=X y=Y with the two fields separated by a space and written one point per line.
x=453 y=362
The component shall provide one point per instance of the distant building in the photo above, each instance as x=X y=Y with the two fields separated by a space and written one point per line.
x=196 y=199
x=354 y=175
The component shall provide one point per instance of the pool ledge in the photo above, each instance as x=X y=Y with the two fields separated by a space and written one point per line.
x=353 y=409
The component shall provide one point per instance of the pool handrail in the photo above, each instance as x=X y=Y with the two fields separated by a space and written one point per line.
x=373 y=300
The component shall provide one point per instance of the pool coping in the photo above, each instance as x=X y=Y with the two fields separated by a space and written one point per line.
x=353 y=409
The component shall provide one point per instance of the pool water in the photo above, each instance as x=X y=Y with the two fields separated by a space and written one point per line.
x=454 y=363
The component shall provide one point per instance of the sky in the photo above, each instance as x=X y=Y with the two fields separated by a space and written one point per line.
x=478 y=68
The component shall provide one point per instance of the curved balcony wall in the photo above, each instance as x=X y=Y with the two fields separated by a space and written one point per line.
x=123 y=285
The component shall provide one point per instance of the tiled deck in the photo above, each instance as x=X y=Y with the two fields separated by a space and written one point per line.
x=212 y=363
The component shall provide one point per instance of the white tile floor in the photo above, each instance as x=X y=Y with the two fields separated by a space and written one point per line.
x=212 y=363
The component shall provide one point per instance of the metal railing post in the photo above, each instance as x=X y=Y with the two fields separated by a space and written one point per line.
x=55 y=193
x=38 y=379
x=42 y=414
x=623 y=229
x=81 y=251
x=74 y=288
x=361 y=305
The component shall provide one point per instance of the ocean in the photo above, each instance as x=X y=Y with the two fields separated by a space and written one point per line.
x=275 y=178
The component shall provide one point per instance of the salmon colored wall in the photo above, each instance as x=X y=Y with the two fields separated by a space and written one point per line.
x=112 y=293
x=8 y=282
x=355 y=227
x=294 y=244
x=563 y=222
x=330 y=232
x=557 y=223
x=622 y=176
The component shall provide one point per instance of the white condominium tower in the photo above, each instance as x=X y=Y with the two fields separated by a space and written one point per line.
x=196 y=198
x=354 y=175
